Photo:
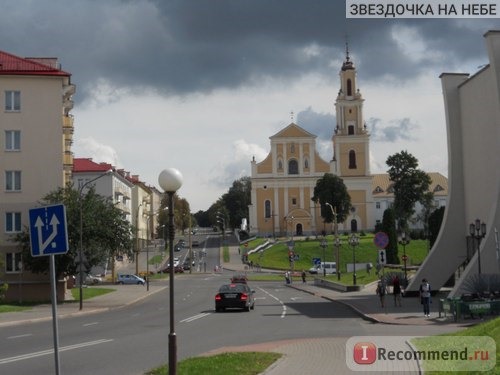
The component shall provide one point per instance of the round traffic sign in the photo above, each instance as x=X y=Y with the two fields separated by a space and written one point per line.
x=404 y=258
x=381 y=240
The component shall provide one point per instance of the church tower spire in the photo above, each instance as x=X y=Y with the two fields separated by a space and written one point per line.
x=351 y=138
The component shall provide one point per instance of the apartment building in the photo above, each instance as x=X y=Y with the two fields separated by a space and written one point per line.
x=36 y=136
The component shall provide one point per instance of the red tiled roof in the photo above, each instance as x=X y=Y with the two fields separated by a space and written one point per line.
x=14 y=65
x=87 y=165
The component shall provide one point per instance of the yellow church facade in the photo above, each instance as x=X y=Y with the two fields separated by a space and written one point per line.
x=283 y=183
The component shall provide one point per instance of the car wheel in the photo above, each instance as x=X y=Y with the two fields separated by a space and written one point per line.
x=120 y=282
x=247 y=308
x=253 y=306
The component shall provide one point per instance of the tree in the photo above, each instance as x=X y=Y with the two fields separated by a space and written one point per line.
x=435 y=220
x=106 y=233
x=389 y=227
x=331 y=189
x=410 y=185
x=237 y=200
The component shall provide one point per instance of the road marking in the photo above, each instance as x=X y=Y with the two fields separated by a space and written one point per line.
x=90 y=324
x=283 y=313
x=193 y=318
x=20 y=336
x=51 y=351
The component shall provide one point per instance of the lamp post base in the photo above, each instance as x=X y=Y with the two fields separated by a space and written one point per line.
x=172 y=353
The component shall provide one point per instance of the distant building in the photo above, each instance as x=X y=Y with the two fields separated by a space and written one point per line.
x=36 y=134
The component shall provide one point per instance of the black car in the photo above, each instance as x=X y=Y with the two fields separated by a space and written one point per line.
x=237 y=295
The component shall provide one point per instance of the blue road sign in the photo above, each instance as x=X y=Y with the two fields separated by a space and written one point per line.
x=316 y=261
x=48 y=230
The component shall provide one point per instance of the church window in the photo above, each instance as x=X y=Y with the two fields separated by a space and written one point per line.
x=293 y=167
x=352 y=159
x=349 y=87
x=377 y=205
x=294 y=201
x=350 y=129
x=267 y=209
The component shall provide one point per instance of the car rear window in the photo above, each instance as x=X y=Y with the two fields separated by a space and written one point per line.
x=233 y=288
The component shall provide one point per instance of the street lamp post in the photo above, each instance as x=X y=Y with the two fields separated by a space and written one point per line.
x=477 y=230
x=354 y=241
x=404 y=241
x=170 y=181
x=80 y=251
x=337 y=239
x=324 y=244
x=337 y=244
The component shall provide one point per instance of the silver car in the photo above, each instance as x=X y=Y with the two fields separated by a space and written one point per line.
x=130 y=279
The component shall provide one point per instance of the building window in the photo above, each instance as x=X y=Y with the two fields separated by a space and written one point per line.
x=352 y=159
x=12 y=101
x=13 y=222
x=294 y=201
x=350 y=130
x=377 y=205
x=349 y=87
x=13 y=180
x=13 y=262
x=12 y=140
x=267 y=209
x=293 y=167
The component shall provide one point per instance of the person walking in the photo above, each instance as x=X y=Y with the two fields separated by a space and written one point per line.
x=303 y=276
x=381 y=291
x=425 y=296
x=396 y=291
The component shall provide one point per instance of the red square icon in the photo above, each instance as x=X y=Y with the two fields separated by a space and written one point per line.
x=365 y=353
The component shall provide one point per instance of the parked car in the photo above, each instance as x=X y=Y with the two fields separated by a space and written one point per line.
x=130 y=279
x=195 y=243
x=236 y=295
x=92 y=279
x=177 y=269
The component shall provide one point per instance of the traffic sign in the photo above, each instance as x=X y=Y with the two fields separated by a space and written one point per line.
x=48 y=230
x=316 y=261
x=404 y=257
x=381 y=240
x=381 y=257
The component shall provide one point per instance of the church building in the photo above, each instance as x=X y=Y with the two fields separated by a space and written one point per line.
x=283 y=183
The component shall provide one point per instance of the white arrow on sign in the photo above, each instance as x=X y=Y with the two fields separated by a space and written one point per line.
x=39 y=224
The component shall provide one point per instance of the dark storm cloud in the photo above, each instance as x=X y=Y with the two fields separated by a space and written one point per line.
x=319 y=124
x=185 y=46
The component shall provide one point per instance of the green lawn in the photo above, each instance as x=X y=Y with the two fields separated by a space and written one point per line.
x=276 y=257
x=90 y=292
x=245 y=363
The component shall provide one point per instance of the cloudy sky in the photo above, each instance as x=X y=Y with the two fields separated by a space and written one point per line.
x=201 y=85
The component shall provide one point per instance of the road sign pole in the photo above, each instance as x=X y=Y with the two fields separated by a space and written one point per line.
x=53 y=283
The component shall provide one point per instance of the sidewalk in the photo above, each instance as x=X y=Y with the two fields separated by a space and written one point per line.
x=122 y=296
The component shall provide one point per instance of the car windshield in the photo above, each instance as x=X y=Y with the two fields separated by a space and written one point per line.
x=233 y=288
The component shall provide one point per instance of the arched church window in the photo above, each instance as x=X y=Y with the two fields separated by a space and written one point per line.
x=267 y=209
x=349 y=87
x=350 y=130
x=352 y=159
x=293 y=167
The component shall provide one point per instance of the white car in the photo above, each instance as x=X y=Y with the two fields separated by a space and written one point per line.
x=92 y=279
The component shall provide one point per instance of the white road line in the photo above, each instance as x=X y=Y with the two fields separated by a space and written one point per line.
x=283 y=313
x=90 y=324
x=19 y=336
x=193 y=318
x=51 y=351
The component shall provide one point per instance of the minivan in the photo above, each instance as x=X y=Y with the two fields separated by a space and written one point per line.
x=329 y=267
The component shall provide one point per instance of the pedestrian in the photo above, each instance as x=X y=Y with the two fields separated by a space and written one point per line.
x=287 y=277
x=396 y=290
x=381 y=291
x=303 y=276
x=368 y=268
x=425 y=296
